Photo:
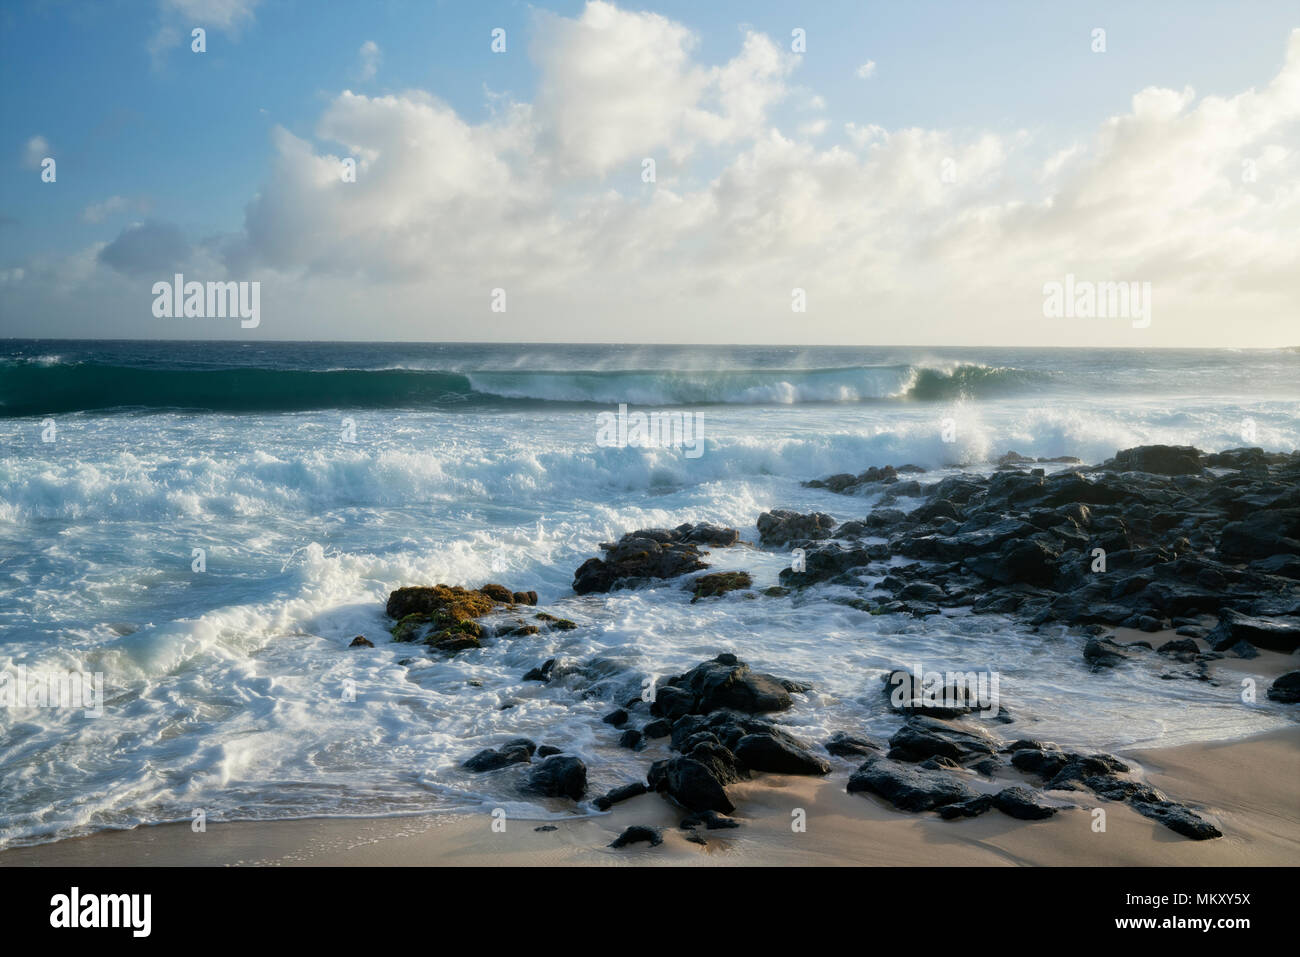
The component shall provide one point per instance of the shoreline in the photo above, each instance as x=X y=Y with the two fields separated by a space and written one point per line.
x=1245 y=786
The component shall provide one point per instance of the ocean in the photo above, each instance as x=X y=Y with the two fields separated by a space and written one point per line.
x=317 y=477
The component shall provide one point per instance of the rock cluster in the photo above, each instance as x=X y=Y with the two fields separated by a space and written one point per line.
x=653 y=553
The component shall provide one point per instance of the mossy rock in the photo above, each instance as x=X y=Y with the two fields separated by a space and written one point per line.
x=718 y=583
x=452 y=639
x=498 y=593
x=559 y=624
x=443 y=604
x=407 y=628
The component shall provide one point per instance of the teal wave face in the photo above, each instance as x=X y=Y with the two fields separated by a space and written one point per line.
x=973 y=382
x=44 y=389
x=40 y=390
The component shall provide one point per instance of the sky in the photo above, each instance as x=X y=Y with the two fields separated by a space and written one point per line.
x=834 y=173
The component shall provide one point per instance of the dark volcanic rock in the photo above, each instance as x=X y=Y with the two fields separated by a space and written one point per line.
x=648 y=554
x=617 y=795
x=1262 y=534
x=924 y=737
x=724 y=682
x=490 y=759
x=558 y=776
x=1277 y=634
x=712 y=821
x=542 y=672
x=361 y=641
x=973 y=808
x=638 y=833
x=1178 y=818
x=844 y=745
x=1104 y=653
x=1021 y=803
x=691 y=784
x=1158 y=460
x=778 y=755
x=1286 y=688
x=1032 y=562
x=908 y=788
x=781 y=526
x=829 y=561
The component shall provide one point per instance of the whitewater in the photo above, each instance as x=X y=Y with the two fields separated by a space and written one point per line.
x=318 y=477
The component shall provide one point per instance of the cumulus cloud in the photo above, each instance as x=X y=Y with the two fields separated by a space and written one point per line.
x=867 y=70
x=618 y=85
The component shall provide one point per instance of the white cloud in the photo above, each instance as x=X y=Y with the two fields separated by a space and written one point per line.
x=178 y=17
x=35 y=150
x=618 y=86
x=98 y=212
x=954 y=233
x=225 y=15
x=370 y=57
x=899 y=235
x=867 y=70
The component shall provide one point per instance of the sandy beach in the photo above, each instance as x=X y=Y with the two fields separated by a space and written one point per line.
x=1246 y=787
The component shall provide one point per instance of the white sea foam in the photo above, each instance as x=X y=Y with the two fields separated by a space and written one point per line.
x=225 y=689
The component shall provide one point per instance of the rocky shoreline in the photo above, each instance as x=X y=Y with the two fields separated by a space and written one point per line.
x=1157 y=538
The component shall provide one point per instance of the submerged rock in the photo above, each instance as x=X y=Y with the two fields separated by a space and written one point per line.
x=1286 y=688
x=718 y=583
x=490 y=759
x=557 y=776
x=649 y=554
x=724 y=682
x=781 y=526
x=845 y=745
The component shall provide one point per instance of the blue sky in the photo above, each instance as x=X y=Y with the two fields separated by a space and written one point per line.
x=145 y=131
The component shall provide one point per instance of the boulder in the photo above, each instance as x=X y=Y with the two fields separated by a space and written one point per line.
x=650 y=554
x=1286 y=688
x=1158 y=460
x=1022 y=804
x=778 y=755
x=724 y=682
x=781 y=526
x=557 y=776
x=908 y=788
x=1276 y=634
